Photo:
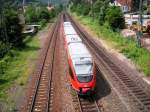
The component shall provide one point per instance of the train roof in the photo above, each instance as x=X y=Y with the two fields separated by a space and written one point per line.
x=73 y=39
x=69 y=31
x=67 y=24
x=80 y=56
x=78 y=51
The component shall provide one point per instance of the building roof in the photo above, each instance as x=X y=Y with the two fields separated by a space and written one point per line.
x=124 y=2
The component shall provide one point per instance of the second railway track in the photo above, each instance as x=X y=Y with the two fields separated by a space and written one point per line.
x=40 y=94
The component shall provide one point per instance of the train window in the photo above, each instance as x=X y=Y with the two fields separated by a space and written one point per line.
x=84 y=69
x=71 y=73
x=84 y=72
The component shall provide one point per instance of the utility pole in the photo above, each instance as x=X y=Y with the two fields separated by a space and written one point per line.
x=92 y=9
x=48 y=3
x=140 y=22
x=23 y=6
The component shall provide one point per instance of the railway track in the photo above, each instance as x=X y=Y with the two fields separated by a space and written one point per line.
x=85 y=103
x=136 y=93
x=40 y=94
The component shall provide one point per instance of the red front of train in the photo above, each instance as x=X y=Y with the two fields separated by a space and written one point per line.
x=84 y=87
x=82 y=70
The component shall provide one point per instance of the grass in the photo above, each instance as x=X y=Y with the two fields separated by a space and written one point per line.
x=140 y=56
x=17 y=66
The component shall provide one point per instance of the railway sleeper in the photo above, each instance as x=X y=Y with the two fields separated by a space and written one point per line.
x=88 y=106
x=141 y=95
x=147 y=103
x=90 y=110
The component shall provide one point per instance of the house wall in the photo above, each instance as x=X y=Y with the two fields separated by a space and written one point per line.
x=124 y=4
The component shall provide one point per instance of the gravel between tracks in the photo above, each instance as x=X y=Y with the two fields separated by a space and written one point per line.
x=62 y=97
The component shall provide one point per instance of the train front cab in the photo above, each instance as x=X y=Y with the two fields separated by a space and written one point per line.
x=83 y=87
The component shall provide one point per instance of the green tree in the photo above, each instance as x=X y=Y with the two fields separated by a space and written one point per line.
x=14 y=29
x=10 y=29
x=148 y=10
x=135 y=5
x=115 y=18
x=31 y=14
x=97 y=6
x=81 y=6
x=43 y=13
x=102 y=16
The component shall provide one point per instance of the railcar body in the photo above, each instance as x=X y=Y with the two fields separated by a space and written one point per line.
x=82 y=72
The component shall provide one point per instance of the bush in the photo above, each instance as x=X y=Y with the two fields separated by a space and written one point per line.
x=4 y=48
x=42 y=23
x=3 y=65
x=10 y=29
x=115 y=18
x=52 y=13
x=43 y=13
x=102 y=16
x=79 y=9
x=39 y=15
x=85 y=9
x=31 y=15
x=148 y=10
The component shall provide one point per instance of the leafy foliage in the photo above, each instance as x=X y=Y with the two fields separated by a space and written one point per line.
x=39 y=15
x=115 y=17
x=135 y=5
x=147 y=10
x=31 y=14
x=3 y=48
x=100 y=9
x=13 y=27
x=81 y=7
x=10 y=29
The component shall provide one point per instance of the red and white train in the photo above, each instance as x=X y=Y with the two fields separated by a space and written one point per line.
x=82 y=70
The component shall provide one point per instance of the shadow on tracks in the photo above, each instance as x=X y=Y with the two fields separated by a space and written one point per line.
x=102 y=89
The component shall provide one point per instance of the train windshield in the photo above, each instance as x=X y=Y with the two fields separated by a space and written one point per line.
x=84 y=72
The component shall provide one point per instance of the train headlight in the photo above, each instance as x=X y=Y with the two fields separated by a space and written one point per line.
x=85 y=85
